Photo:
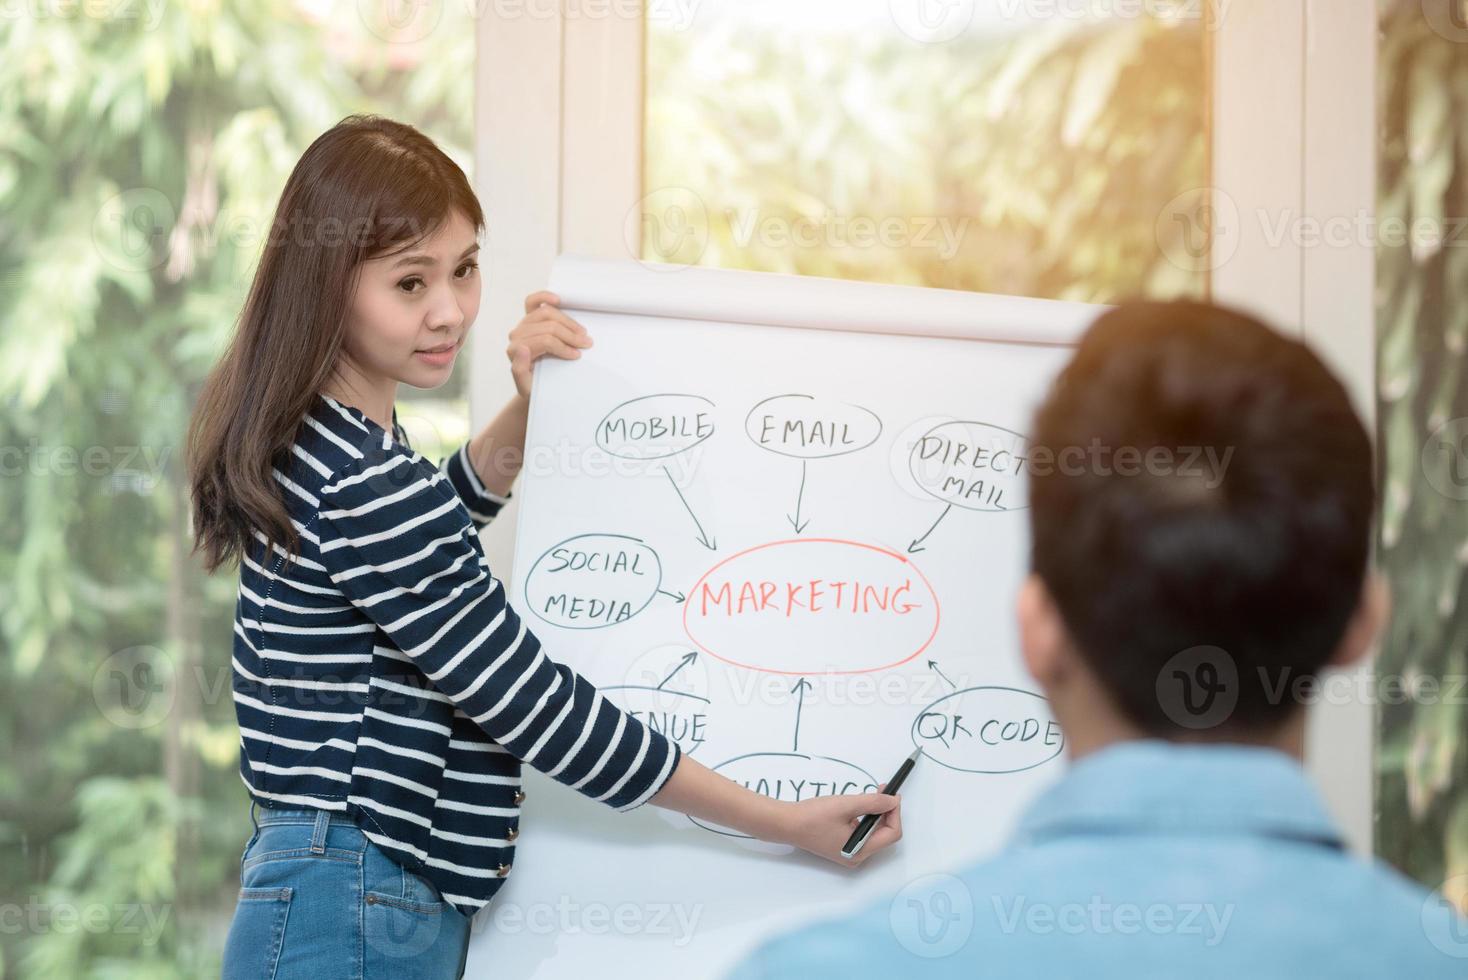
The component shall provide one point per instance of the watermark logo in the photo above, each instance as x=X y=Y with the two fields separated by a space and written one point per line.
x=404 y=915
x=1445 y=459
x=932 y=21
x=130 y=231
x=1199 y=687
x=1199 y=229
x=933 y=916
x=668 y=226
x=1444 y=924
x=134 y=688
x=401 y=21
x=1447 y=18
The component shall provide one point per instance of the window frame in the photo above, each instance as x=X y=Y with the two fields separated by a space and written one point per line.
x=558 y=164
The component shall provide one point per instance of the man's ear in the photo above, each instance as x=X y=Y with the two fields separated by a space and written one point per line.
x=1042 y=636
x=1366 y=623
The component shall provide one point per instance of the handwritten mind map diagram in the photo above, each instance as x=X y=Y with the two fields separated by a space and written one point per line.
x=801 y=604
x=793 y=549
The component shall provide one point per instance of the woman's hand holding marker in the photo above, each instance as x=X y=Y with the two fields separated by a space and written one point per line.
x=544 y=330
x=823 y=824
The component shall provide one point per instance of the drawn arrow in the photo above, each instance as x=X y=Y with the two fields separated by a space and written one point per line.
x=675 y=596
x=953 y=718
x=688 y=658
x=795 y=521
x=801 y=686
x=916 y=546
x=934 y=664
x=703 y=539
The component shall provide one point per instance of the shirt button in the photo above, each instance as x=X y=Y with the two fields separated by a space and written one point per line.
x=512 y=833
x=503 y=870
x=519 y=796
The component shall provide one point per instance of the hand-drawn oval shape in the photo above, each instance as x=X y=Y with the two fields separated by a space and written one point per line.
x=791 y=776
x=807 y=427
x=988 y=730
x=813 y=606
x=681 y=716
x=973 y=465
x=656 y=426
x=593 y=580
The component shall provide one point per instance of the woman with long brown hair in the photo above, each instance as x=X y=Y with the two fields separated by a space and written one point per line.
x=386 y=692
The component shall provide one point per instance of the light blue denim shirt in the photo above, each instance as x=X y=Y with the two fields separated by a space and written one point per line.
x=1149 y=859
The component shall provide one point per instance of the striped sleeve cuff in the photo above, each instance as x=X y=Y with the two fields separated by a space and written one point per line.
x=481 y=503
x=661 y=771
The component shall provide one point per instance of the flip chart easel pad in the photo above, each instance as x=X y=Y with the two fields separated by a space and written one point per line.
x=790 y=410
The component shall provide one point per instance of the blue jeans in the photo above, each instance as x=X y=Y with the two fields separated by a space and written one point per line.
x=318 y=901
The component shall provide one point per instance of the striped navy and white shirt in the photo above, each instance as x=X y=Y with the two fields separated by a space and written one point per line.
x=383 y=674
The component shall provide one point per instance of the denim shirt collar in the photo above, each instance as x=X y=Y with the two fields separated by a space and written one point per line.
x=1157 y=787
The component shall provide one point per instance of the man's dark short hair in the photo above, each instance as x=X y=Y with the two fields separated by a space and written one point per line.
x=1259 y=550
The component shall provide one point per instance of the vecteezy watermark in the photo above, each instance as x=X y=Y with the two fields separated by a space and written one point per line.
x=36 y=917
x=1445 y=459
x=1447 y=18
x=672 y=226
x=134 y=230
x=1200 y=230
x=570 y=916
x=964 y=462
x=1206 y=463
x=566 y=458
x=1361 y=687
x=134 y=688
x=135 y=468
x=1443 y=920
x=147 y=13
x=411 y=21
x=130 y=231
x=917 y=689
x=401 y=21
x=932 y=21
x=403 y=914
x=1087 y=11
x=932 y=916
x=137 y=687
x=936 y=21
x=1198 y=688
x=667 y=227
x=1099 y=917
x=832 y=232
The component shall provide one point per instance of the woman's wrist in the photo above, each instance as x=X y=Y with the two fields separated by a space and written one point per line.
x=776 y=821
x=498 y=451
x=700 y=792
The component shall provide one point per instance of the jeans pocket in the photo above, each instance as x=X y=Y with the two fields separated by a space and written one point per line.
x=401 y=930
x=252 y=949
x=404 y=917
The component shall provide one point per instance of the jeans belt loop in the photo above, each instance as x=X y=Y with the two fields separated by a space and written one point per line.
x=318 y=832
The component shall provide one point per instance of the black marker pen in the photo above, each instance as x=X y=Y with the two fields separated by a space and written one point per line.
x=859 y=836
